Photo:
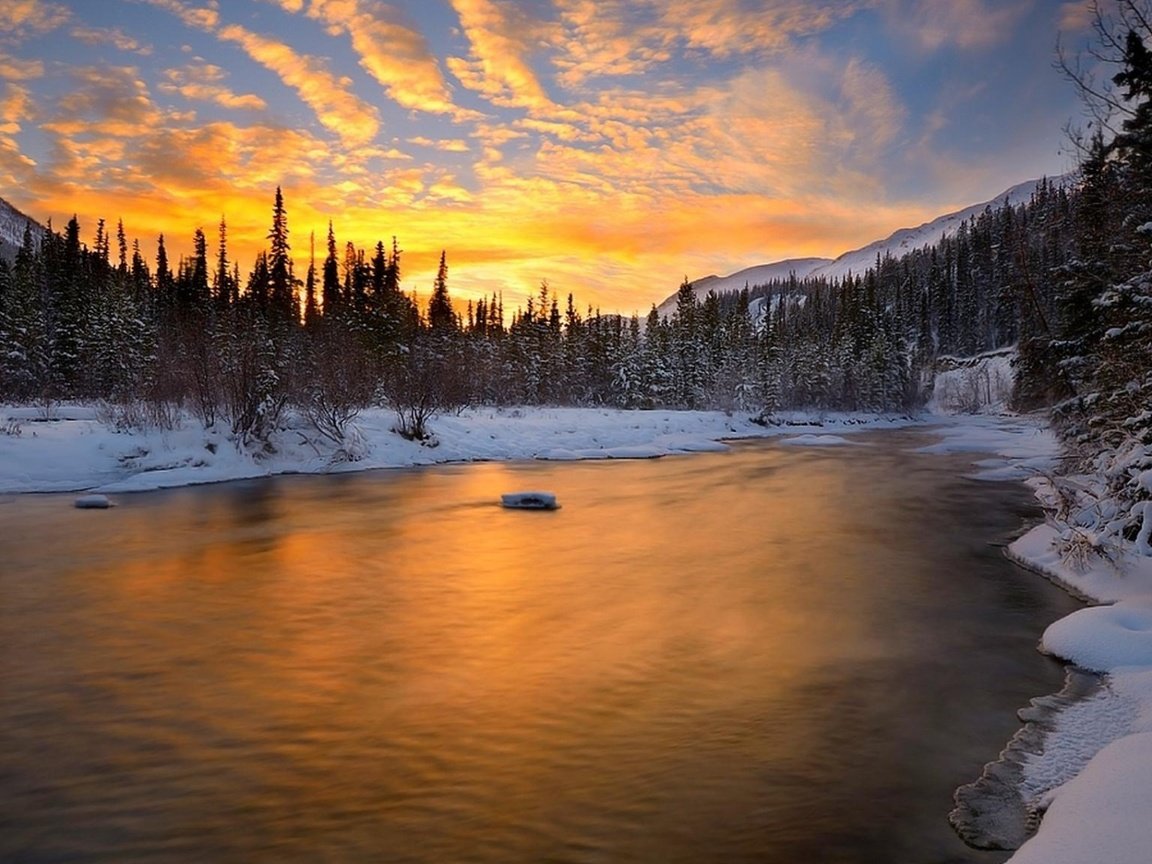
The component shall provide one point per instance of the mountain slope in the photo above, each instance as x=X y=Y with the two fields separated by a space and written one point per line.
x=12 y=223
x=904 y=240
x=897 y=244
x=758 y=275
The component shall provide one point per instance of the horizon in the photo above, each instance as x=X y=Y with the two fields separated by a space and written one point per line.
x=611 y=149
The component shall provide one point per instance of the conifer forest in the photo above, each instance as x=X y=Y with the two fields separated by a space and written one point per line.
x=97 y=321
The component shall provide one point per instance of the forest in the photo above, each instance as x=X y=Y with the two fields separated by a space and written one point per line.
x=98 y=322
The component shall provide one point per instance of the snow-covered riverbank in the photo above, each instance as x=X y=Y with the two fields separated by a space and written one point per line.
x=1092 y=777
x=75 y=451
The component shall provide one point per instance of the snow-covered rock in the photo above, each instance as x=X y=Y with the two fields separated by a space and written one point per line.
x=1104 y=638
x=92 y=502
x=973 y=385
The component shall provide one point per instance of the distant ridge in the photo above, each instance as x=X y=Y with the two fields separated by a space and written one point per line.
x=758 y=275
x=897 y=244
x=12 y=223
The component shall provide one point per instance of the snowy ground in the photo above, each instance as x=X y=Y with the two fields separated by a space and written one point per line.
x=1097 y=767
x=75 y=451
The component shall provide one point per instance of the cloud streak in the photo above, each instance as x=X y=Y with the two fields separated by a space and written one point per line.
x=395 y=55
x=498 y=66
x=23 y=18
x=204 y=83
x=328 y=95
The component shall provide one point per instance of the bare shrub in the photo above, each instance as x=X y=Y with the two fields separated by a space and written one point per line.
x=253 y=391
x=133 y=414
x=418 y=385
x=340 y=383
x=122 y=415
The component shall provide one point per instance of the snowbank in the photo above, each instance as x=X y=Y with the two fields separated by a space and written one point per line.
x=1101 y=815
x=1020 y=447
x=75 y=451
x=1092 y=776
x=1104 y=638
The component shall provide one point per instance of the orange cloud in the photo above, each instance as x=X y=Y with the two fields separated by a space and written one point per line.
x=1075 y=17
x=113 y=97
x=729 y=27
x=395 y=55
x=447 y=145
x=18 y=69
x=202 y=83
x=497 y=67
x=110 y=36
x=198 y=17
x=600 y=38
x=29 y=17
x=969 y=24
x=329 y=96
x=15 y=108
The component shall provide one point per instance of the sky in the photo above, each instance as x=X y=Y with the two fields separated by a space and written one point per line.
x=609 y=147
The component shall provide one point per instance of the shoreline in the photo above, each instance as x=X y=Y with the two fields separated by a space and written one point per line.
x=76 y=452
x=991 y=813
x=1070 y=785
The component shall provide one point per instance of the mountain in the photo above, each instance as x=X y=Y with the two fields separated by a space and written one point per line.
x=897 y=244
x=903 y=241
x=758 y=275
x=12 y=223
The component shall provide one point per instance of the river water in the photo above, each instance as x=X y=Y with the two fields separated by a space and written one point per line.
x=767 y=655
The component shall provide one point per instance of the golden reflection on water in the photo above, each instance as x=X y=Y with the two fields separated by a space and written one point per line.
x=391 y=667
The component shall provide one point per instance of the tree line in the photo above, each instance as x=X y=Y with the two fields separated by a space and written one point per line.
x=83 y=322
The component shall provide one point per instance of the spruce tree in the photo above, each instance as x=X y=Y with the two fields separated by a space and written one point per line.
x=281 y=290
x=311 y=311
x=441 y=318
x=330 y=293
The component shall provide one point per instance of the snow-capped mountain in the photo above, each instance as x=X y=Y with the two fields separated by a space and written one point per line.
x=896 y=244
x=12 y=223
x=758 y=275
x=903 y=241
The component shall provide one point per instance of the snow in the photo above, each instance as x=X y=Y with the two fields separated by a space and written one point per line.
x=1102 y=814
x=1085 y=727
x=1020 y=449
x=761 y=274
x=1104 y=638
x=906 y=240
x=92 y=502
x=817 y=441
x=980 y=385
x=77 y=452
x=1096 y=765
x=12 y=223
x=529 y=500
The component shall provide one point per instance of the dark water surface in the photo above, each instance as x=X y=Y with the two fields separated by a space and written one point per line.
x=770 y=655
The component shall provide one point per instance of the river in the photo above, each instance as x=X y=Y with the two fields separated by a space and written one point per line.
x=774 y=655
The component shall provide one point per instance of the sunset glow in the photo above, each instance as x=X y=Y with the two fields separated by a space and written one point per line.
x=611 y=147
